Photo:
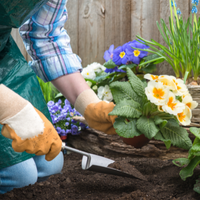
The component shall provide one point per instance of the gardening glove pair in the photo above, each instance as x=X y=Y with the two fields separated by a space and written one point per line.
x=29 y=129
x=96 y=111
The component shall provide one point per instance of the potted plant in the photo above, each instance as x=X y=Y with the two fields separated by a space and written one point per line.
x=153 y=108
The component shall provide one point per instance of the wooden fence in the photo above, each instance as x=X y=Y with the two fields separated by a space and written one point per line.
x=94 y=25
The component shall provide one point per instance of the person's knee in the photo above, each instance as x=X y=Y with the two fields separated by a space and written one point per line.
x=48 y=168
x=18 y=175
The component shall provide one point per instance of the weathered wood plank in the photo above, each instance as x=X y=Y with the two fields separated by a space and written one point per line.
x=72 y=24
x=117 y=22
x=91 y=31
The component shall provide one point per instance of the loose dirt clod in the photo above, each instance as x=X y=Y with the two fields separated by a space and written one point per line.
x=127 y=167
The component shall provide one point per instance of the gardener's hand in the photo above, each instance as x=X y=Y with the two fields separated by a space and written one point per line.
x=96 y=111
x=29 y=129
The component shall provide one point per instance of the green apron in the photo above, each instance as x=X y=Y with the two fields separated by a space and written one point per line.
x=15 y=72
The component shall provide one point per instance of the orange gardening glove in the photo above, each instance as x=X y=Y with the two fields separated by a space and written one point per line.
x=29 y=129
x=96 y=111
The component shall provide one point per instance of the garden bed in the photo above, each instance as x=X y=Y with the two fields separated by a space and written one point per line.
x=74 y=183
x=152 y=160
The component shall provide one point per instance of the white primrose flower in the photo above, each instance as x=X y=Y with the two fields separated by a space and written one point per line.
x=89 y=83
x=188 y=101
x=88 y=73
x=168 y=81
x=150 y=77
x=181 y=88
x=97 y=67
x=172 y=105
x=185 y=117
x=104 y=93
x=157 y=93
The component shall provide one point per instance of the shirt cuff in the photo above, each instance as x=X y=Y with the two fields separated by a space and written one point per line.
x=51 y=68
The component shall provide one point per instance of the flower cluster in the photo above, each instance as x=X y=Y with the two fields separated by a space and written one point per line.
x=90 y=73
x=171 y=96
x=127 y=53
x=62 y=118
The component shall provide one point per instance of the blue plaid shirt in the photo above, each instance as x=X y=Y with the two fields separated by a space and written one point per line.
x=48 y=43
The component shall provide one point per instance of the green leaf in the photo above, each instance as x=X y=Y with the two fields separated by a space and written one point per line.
x=127 y=108
x=123 y=90
x=101 y=77
x=127 y=66
x=188 y=171
x=159 y=121
x=136 y=83
x=167 y=141
x=149 y=68
x=197 y=186
x=178 y=135
x=195 y=131
x=59 y=95
x=126 y=129
x=195 y=150
x=180 y=162
x=147 y=127
x=110 y=64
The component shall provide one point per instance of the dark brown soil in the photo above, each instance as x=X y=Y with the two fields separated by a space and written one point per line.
x=163 y=182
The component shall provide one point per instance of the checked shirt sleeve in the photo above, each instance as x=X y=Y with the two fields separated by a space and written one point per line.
x=48 y=43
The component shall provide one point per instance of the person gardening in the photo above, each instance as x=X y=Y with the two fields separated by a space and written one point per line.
x=30 y=148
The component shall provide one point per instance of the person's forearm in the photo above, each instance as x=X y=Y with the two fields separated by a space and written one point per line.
x=71 y=85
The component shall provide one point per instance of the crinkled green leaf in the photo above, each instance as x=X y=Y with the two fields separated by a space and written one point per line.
x=160 y=137
x=101 y=77
x=126 y=129
x=147 y=127
x=195 y=131
x=178 y=135
x=188 y=171
x=136 y=83
x=128 y=66
x=127 y=108
x=123 y=90
x=180 y=162
x=197 y=186
x=109 y=64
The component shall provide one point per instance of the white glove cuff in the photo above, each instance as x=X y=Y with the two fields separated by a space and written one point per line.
x=26 y=123
x=84 y=99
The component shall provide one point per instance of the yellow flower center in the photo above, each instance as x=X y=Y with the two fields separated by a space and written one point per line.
x=122 y=54
x=136 y=53
x=154 y=77
x=158 y=93
x=171 y=104
x=181 y=117
x=189 y=105
x=87 y=73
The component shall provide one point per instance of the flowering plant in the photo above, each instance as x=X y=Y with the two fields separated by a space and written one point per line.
x=154 y=109
x=62 y=114
x=182 y=42
x=99 y=77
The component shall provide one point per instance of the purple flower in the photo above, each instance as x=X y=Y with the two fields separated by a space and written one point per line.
x=109 y=53
x=67 y=102
x=82 y=125
x=59 y=130
x=50 y=103
x=115 y=69
x=74 y=121
x=66 y=123
x=119 y=55
x=68 y=118
x=54 y=109
x=135 y=55
x=74 y=130
x=68 y=131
